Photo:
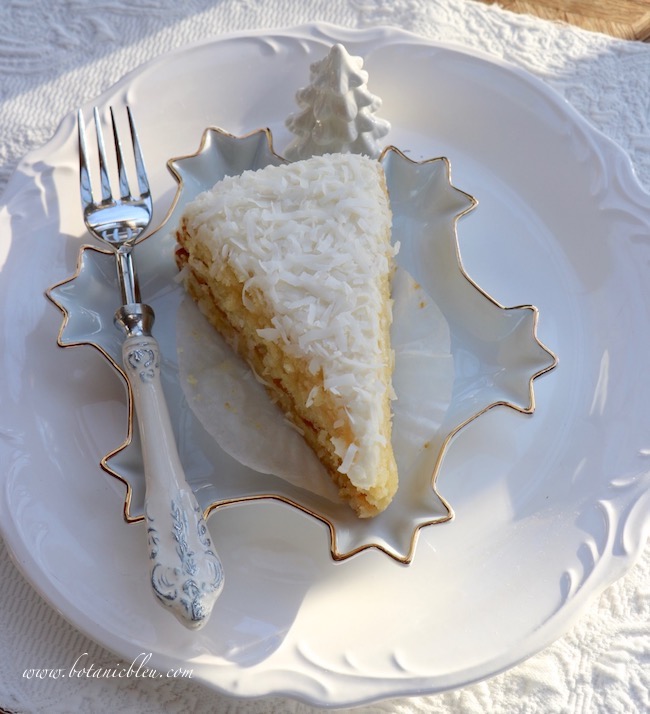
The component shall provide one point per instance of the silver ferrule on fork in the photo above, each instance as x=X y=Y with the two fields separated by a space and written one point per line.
x=135 y=319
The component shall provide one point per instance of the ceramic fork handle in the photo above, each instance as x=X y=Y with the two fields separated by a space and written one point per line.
x=186 y=573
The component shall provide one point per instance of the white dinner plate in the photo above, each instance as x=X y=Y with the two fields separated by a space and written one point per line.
x=549 y=508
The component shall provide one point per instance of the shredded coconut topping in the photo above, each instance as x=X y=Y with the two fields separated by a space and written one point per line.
x=304 y=238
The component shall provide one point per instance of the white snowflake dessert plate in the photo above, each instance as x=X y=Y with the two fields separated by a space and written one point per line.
x=549 y=509
x=441 y=317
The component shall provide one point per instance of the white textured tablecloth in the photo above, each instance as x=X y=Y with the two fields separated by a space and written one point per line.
x=57 y=54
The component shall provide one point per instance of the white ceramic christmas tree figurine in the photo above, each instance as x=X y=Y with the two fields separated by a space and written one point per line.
x=337 y=110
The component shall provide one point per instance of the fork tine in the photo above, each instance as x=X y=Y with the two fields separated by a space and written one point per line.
x=125 y=193
x=107 y=196
x=84 y=175
x=143 y=182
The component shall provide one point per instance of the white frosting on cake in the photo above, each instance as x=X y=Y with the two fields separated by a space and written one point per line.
x=304 y=236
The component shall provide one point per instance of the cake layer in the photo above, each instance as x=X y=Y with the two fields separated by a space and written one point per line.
x=292 y=265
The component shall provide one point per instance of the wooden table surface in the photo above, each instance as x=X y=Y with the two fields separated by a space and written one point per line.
x=627 y=19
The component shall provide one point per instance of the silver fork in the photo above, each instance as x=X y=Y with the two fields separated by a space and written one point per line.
x=186 y=573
